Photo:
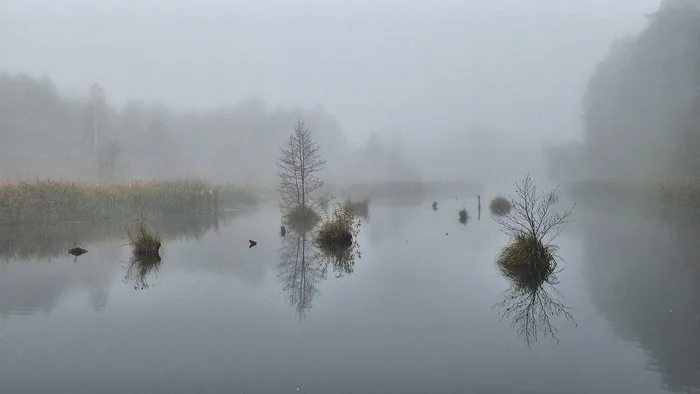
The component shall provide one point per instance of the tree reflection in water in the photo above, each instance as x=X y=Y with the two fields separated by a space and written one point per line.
x=303 y=266
x=531 y=307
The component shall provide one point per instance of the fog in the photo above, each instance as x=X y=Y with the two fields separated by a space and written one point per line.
x=640 y=107
x=411 y=90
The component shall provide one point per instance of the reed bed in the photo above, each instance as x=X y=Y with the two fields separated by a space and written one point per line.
x=51 y=201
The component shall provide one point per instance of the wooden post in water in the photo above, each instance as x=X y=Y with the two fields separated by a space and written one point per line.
x=478 y=204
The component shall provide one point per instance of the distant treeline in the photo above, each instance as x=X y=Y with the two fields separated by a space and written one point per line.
x=642 y=105
x=48 y=134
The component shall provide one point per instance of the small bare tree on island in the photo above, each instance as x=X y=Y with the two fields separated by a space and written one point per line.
x=302 y=191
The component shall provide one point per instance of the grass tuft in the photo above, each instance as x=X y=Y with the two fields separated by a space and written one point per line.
x=500 y=206
x=527 y=262
x=463 y=216
x=145 y=244
x=337 y=229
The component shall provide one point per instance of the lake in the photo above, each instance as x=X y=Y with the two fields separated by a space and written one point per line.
x=419 y=313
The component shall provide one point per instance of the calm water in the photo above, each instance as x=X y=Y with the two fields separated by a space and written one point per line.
x=417 y=315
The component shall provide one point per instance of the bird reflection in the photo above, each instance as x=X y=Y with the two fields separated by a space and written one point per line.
x=532 y=304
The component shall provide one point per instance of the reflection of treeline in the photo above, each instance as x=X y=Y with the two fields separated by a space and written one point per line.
x=44 y=241
x=684 y=193
x=403 y=190
x=674 y=203
x=47 y=200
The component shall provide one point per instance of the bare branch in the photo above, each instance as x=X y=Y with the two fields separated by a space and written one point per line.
x=298 y=168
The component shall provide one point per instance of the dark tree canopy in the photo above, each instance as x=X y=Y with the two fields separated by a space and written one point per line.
x=640 y=108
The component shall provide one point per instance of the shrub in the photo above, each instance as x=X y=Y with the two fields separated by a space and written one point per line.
x=529 y=259
x=500 y=206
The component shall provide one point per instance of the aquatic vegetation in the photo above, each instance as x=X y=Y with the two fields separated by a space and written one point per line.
x=463 y=216
x=145 y=244
x=530 y=261
x=337 y=239
x=527 y=261
x=338 y=230
x=500 y=206
x=49 y=200
x=44 y=241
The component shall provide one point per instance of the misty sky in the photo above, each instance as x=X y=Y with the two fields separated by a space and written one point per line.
x=408 y=66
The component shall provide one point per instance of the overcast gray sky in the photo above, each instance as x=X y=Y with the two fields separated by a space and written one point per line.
x=417 y=67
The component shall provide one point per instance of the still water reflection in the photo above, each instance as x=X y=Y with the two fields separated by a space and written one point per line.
x=413 y=315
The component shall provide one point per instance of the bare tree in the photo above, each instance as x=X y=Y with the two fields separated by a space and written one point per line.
x=298 y=167
x=532 y=215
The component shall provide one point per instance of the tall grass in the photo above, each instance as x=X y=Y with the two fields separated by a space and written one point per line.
x=145 y=244
x=338 y=229
x=49 y=200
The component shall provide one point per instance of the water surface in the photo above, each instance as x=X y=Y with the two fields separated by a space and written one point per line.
x=416 y=314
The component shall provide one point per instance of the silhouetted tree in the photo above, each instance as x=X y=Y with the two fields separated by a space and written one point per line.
x=298 y=167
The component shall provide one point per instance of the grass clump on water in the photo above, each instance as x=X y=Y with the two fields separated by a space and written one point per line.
x=145 y=244
x=500 y=206
x=527 y=262
x=463 y=216
x=530 y=258
x=338 y=229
